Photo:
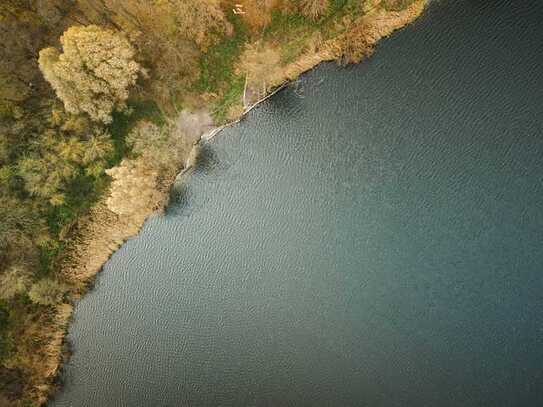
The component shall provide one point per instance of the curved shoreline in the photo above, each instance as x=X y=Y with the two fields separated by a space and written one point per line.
x=101 y=232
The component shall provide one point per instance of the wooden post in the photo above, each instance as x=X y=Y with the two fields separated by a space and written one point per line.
x=245 y=92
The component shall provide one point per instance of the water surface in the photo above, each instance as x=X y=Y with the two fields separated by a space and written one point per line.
x=371 y=236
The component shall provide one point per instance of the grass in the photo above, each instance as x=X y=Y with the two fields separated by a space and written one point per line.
x=294 y=48
x=283 y=27
x=217 y=64
x=217 y=75
x=292 y=31
x=230 y=98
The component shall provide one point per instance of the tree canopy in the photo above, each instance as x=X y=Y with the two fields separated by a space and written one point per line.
x=94 y=72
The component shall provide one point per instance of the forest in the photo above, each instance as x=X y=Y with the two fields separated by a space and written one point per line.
x=90 y=96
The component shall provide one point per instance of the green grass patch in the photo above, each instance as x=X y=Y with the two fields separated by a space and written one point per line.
x=293 y=31
x=217 y=64
x=230 y=98
x=336 y=5
x=283 y=26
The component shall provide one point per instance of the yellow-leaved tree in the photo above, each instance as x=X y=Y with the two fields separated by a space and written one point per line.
x=94 y=72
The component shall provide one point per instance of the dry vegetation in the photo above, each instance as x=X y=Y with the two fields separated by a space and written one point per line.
x=101 y=102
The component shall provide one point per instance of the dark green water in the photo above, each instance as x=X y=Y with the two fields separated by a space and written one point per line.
x=372 y=236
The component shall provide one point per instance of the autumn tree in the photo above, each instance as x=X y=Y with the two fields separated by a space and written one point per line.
x=59 y=155
x=20 y=225
x=160 y=147
x=157 y=151
x=97 y=148
x=201 y=21
x=45 y=175
x=94 y=72
x=134 y=187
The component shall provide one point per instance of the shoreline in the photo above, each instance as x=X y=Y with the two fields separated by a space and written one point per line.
x=100 y=233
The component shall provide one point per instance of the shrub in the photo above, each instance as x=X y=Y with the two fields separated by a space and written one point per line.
x=13 y=282
x=134 y=187
x=158 y=146
x=47 y=292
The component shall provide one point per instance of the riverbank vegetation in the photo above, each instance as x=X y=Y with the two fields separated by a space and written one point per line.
x=101 y=101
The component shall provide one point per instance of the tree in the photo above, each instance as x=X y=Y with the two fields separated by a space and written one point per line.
x=47 y=292
x=160 y=147
x=46 y=176
x=94 y=73
x=97 y=147
x=201 y=21
x=134 y=187
x=20 y=225
x=257 y=13
x=71 y=149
